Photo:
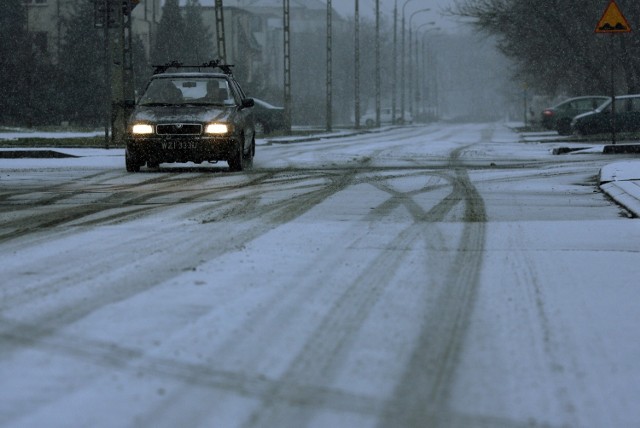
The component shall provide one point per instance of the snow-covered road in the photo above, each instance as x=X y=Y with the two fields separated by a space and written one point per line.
x=428 y=276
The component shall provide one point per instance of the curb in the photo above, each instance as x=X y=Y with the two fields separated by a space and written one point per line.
x=621 y=149
x=33 y=154
x=623 y=193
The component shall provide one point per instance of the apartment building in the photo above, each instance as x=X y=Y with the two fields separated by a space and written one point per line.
x=253 y=31
x=45 y=17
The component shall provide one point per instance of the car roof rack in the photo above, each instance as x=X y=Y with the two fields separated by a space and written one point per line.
x=216 y=63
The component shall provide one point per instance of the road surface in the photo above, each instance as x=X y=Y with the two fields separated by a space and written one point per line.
x=426 y=276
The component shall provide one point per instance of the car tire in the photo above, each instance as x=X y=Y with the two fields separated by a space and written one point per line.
x=237 y=157
x=248 y=157
x=564 y=127
x=131 y=162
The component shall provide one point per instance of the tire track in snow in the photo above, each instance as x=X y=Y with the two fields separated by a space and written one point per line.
x=323 y=353
x=183 y=257
x=291 y=387
x=421 y=397
x=17 y=336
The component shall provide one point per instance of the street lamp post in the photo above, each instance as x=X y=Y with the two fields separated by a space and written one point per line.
x=402 y=59
x=329 y=66
x=410 y=78
x=357 y=64
x=413 y=100
x=378 y=63
x=287 y=64
x=394 y=84
x=423 y=88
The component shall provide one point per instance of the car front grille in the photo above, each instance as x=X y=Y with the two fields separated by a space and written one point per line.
x=179 y=129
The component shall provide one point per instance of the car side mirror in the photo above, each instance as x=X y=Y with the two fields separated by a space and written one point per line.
x=248 y=102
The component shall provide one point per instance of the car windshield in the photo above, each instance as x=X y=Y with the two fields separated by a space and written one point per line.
x=188 y=91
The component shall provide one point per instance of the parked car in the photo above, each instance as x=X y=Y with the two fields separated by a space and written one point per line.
x=559 y=117
x=187 y=116
x=627 y=117
x=369 y=119
x=268 y=118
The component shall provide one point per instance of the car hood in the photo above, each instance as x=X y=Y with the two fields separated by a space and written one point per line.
x=186 y=114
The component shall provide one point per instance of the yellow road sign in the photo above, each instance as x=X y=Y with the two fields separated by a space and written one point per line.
x=612 y=20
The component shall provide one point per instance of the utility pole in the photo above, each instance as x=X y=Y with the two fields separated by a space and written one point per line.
x=394 y=84
x=357 y=64
x=122 y=87
x=378 y=63
x=102 y=20
x=329 y=66
x=220 y=40
x=287 y=66
x=114 y=16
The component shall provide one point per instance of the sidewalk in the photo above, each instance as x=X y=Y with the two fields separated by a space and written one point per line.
x=621 y=181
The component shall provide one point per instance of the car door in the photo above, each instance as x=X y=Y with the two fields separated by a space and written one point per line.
x=245 y=114
x=632 y=122
x=623 y=114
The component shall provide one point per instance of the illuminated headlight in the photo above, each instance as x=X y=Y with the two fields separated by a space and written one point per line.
x=142 y=128
x=217 y=128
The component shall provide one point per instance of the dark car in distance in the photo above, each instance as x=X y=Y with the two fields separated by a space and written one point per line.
x=601 y=120
x=191 y=116
x=559 y=117
x=268 y=118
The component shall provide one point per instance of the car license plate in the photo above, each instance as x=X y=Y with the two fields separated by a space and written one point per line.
x=179 y=145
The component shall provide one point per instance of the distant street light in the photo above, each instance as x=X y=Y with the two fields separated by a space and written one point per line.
x=411 y=68
x=431 y=80
x=402 y=63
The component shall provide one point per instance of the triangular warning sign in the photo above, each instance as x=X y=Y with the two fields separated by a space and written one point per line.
x=612 y=20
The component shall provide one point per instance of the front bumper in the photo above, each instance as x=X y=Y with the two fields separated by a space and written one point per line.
x=156 y=150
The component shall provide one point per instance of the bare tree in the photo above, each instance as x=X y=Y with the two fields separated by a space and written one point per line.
x=554 y=44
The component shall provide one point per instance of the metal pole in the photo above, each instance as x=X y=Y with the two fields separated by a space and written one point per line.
x=378 y=63
x=402 y=65
x=410 y=69
x=613 y=94
x=220 y=36
x=416 y=100
x=357 y=63
x=329 y=65
x=410 y=78
x=402 y=60
x=287 y=67
x=524 y=104
x=422 y=84
x=107 y=73
x=115 y=46
x=394 y=85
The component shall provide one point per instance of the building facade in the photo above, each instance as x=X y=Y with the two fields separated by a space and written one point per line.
x=45 y=22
